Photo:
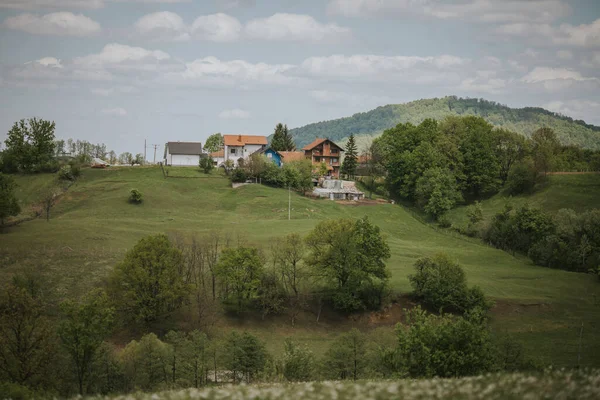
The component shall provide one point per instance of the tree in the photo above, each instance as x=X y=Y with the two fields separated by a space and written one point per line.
x=288 y=254
x=147 y=283
x=84 y=327
x=240 y=270
x=437 y=191
x=146 y=362
x=350 y=158
x=350 y=256
x=545 y=148
x=112 y=157
x=206 y=164
x=31 y=143
x=245 y=355
x=139 y=159
x=27 y=345
x=214 y=143
x=126 y=158
x=282 y=140
x=48 y=200
x=298 y=362
x=9 y=205
x=510 y=149
x=475 y=214
x=346 y=358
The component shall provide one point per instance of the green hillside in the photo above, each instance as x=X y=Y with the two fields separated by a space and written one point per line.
x=522 y=120
x=93 y=226
x=579 y=192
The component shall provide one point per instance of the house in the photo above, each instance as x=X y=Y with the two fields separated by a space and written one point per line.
x=272 y=155
x=289 y=156
x=339 y=190
x=218 y=157
x=183 y=153
x=325 y=151
x=240 y=147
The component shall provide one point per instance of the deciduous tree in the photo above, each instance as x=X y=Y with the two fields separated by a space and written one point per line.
x=240 y=270
x=214 y=143
x=9 y=205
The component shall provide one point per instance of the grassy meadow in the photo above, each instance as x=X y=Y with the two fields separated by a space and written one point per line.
x=93 y=225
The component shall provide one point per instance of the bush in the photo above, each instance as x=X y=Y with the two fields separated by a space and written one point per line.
x=444 y=222
x=238 y=175
x=135 y=196
x=206 y=164
x=522 y=179
x=65 y=173
x=441 y=283
x=298 y=362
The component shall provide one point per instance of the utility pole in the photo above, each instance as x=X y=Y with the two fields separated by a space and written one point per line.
x=155 y=147
x=145 y=146
x=289 y=202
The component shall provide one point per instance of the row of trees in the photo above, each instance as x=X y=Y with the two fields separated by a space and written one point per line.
x=439 y=164
x=296 y=174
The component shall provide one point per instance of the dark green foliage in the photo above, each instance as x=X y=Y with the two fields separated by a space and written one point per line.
x=239 y=175
x=145 y=363
x=83 y=328
x=9 y=205
x=545 y=148
x=346 y=357
x=437 y=191
x=206 y=164
x=441 y=284
x=282 y=140
x=245 y=356
x=444 y=346
x=522 y=120
x=522 y=178
x=350 y=257
x=147 y=283
x=214 y=143
x=135 y=196
x=31 y=145
x=65 y=173
x=298 y=362
x=240 y=269
x=350 y=158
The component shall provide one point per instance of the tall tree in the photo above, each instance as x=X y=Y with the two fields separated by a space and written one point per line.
x=84 y=327
x=245 y=354
x=350 y=158
x=214 y=143
x=9 y=206
x=148 y=283
x=346 y=357
x=510 y=149
x=32 y=143
x=282 y=139
x=240 y=270
x=545 y=148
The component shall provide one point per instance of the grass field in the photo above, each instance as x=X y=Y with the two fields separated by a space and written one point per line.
x=93 y=226
x=551 y=385
x=577 y=192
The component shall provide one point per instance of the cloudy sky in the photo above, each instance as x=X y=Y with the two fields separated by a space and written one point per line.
x=121 y=71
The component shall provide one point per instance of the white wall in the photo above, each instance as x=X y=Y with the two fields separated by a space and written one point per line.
x=183 y=160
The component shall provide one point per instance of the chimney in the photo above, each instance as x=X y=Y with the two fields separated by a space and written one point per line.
x=240 y=138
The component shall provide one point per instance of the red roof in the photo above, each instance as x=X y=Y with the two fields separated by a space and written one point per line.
x=317 y=142
x=242 y=140
x=218 y=154
x=289 y=156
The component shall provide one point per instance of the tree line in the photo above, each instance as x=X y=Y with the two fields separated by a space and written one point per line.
x=341 y=263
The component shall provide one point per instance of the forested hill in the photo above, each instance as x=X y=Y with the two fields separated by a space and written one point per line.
x=521 y=120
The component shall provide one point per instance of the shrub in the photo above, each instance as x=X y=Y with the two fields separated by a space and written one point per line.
x=298 y=362
x=444 y=222
x=238 y=175
x=206 y=164
x=522 y=179
x=135 y=196
x=65 y=173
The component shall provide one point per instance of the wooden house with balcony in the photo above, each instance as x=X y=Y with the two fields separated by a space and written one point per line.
x=325 y=151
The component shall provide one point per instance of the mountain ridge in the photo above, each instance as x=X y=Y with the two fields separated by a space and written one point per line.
x=525 y=120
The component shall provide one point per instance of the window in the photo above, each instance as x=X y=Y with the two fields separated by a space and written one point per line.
x=334 y=151
x=317 y=159
x=269 y=155
x=232 y=151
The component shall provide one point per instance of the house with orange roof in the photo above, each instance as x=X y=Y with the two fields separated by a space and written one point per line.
x=324 y=151
x=239 y=147
x=218 y=157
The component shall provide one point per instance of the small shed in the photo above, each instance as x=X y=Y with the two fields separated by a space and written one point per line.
x=183 y=153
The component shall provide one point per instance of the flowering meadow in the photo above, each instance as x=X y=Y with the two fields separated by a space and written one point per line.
x=553 y=384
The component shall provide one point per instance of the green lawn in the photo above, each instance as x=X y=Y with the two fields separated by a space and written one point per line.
x=94 y=225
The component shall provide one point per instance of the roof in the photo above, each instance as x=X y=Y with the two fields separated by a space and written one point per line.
x=289 y=156
x=242 y=140
x=194 y=148
x=218 y=154
x=317 y=142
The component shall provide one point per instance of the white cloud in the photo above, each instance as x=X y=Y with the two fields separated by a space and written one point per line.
x=112 y=90
x=163 y=25
x=557 y=79
x=63 y=4
x=585 y=35
x=49 y=62
x=216 y=28
x=410 y=69
x=475 y=10
x=125 y=57
x=564 y=55
x=577 y=109
x=484 y=82
x=235 y=113
x=228 y=4
x=294 y=27
x=115 y=112
x=210 y=71
x=353 y=99
x=58 y=23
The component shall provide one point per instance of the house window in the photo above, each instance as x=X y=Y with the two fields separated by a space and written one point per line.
x=232 y=151
x=269 y=155
x=334 y=151
x=317 y=159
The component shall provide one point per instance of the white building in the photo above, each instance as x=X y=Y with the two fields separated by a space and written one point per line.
x=242 y=146
x=218 y=157
x=183 y=153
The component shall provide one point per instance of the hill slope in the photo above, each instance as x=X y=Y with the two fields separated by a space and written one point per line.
x=521 y=120
x=93 y=225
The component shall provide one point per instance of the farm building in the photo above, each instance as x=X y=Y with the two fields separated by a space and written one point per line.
x=338 y=190
x=183 y=153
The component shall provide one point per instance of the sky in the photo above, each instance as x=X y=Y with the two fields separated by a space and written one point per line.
x=123 y=71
